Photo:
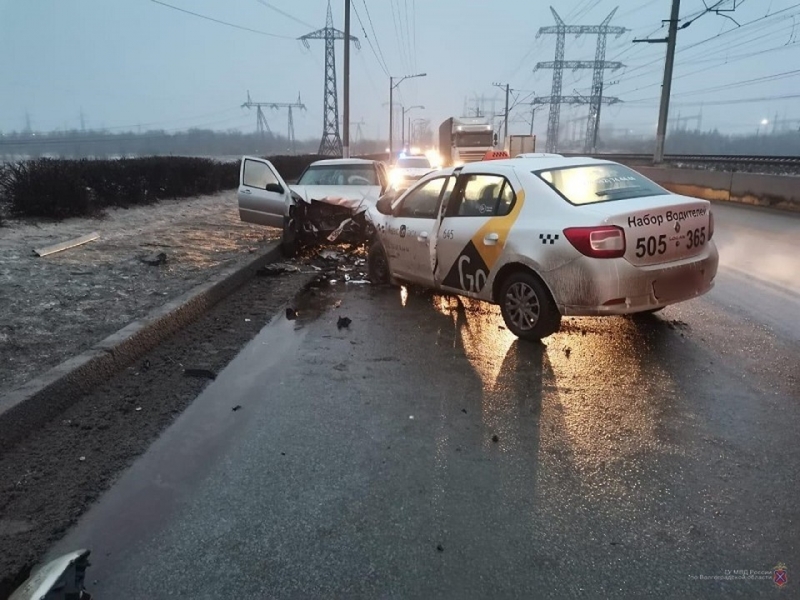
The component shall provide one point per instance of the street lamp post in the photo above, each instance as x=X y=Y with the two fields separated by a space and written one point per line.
x=403 y=136
x=392 y=85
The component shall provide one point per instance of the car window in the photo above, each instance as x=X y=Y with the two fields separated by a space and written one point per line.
x=507 y=198
x=448 y=190
x=423 y=201
x=479 y=196
x=257 y=174
x=589 y=184
x=353 y=174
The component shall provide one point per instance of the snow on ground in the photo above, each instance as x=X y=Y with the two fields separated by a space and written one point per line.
x=54 y=307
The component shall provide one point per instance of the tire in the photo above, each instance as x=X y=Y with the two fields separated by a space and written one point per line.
x=378 y=264
x=288 y=240
x=527 y=307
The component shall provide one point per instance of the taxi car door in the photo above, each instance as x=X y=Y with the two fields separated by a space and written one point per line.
x=408 y=234
x=473 y=231
x=263 y=195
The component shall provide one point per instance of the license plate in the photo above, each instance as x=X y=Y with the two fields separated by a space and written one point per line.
x=676 y=286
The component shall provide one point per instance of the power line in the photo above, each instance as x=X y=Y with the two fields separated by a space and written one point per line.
x=375 y=35
x=398 y=28
x=369 y=41
x=188 y=12
x=412 y=51
x=284 y=13
x=771 y=34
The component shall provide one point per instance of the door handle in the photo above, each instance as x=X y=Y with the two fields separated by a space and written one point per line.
x=423 y=236
x=246 y=191
x=490 y=239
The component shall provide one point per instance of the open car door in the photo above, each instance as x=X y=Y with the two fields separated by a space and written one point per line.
x=263 y=196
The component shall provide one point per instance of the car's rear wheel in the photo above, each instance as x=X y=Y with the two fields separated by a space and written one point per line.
x=378 y=264
x=527 y=307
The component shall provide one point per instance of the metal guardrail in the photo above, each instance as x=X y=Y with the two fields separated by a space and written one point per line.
x=776 y=161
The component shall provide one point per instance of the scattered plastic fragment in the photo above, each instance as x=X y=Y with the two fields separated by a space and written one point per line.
x=237 y=407
x=343 y=322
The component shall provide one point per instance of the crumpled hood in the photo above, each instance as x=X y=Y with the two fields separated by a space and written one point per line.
x=351 y=196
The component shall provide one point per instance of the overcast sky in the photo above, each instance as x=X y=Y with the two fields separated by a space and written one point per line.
x=131 y=63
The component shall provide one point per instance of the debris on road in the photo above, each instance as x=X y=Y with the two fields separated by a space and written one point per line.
x=291 y=314
x=330 y=255
x=567 y=351
x=276 y=269
x=203 y=373
x=343 y=322
x=154 y=260
x=237 y=407
x=74 y=242
x=440 y=548
x=495 y=439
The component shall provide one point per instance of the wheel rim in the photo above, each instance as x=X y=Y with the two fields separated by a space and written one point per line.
x=522 y=305
x=380 y=267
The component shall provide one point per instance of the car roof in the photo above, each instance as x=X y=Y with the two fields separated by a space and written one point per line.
x=536 y=164
x=344 y=161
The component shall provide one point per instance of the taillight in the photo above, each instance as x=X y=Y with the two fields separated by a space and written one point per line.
x=607 y=241
x=710 y=224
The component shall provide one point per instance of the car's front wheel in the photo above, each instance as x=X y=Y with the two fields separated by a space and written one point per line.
x=527 y=307
x=378 y=264
x=289 y=239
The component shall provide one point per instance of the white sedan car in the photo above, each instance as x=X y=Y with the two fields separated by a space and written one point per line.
x=546 y=237
x=328 y=202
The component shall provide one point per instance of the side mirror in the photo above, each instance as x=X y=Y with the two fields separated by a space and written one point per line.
x=384 y=204
x=275 y=187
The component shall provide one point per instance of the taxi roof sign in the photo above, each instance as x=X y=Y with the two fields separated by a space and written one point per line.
x=496 y=155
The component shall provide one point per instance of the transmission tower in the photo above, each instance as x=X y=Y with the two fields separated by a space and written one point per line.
x=262 y=127
x=276 y=105
x=599 y=65
x=331 y=143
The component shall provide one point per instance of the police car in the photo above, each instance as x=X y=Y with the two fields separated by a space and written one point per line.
x=546 y=237
x=408 y=169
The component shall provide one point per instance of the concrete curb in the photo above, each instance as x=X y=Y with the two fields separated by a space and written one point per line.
x=40 y=399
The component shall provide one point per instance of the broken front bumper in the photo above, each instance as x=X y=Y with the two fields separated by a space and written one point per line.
x=318 y=222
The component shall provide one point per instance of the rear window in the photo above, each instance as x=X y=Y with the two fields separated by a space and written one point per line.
x=589 y=184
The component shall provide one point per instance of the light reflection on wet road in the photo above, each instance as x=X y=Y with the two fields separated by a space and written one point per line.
x=632 y=458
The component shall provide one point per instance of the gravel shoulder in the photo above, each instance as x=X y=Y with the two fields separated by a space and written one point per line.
x=55 y=307
x=49 y=480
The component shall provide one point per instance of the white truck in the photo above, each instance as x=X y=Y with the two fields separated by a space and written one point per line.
x=520 y=144
x=465 y=139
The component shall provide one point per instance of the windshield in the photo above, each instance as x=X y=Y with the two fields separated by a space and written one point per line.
x=480 y=138
x=353 y=174
x=590 y=184
x=414 y=163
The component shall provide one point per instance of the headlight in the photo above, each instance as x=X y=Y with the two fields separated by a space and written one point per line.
x=396 y=178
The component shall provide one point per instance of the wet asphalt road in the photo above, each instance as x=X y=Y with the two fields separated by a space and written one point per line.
x=653 y=457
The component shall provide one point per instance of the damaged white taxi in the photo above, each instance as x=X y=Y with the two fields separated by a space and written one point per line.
x=328 y=202
x=544 y=237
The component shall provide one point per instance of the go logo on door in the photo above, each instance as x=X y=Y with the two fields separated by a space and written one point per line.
x=469 y=272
